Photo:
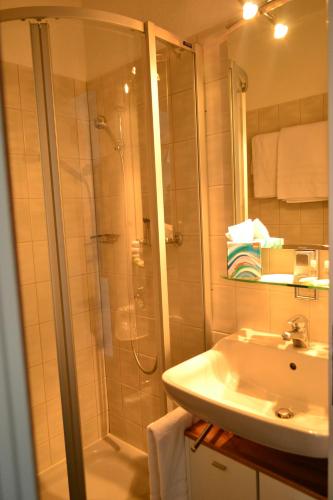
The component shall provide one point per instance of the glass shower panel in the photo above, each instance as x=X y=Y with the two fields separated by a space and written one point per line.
x=177 y=109
x=99 y=80
x=32 y=246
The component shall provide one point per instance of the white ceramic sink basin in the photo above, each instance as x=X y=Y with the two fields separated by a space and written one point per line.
x=246 y=377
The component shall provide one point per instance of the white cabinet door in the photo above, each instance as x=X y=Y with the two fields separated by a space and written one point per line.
x=212 y=476
x=271 y=489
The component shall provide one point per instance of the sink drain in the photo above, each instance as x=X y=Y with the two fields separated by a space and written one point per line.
x=284 y=413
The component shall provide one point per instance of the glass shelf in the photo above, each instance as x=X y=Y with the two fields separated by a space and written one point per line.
x=285 y=280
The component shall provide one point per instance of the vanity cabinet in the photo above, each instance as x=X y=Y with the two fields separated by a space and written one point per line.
x=271 y=489
x=213 y=476
x=228 y=467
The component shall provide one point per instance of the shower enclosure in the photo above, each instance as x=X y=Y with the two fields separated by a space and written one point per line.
x=102 y=144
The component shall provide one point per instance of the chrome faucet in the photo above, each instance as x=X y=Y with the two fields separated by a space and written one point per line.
x=298 y=331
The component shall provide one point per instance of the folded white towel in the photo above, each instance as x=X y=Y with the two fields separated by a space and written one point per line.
x=264 y=164
x=303 y=163
x=166 y=456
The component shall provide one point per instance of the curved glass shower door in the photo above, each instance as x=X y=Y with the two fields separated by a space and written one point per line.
x=83 y=139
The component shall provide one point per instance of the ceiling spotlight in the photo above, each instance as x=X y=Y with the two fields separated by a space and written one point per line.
x=250 y=10
x=280 y=30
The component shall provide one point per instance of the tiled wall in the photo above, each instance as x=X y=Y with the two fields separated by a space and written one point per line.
x=181 y=201
x=240 y=305
x=32 y=249
x=298 y=223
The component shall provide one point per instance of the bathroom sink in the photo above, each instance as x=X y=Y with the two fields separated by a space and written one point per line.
x=247 y=378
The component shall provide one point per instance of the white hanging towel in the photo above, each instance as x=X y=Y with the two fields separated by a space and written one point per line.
x=264 y=164
x=303 y=163
x=166 y=456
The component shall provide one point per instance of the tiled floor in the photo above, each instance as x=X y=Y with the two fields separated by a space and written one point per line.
x=114 y=470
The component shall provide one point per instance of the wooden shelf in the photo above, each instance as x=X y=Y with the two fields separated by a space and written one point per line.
x=305 y=474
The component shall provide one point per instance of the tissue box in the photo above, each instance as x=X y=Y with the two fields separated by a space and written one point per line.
x=244 y=261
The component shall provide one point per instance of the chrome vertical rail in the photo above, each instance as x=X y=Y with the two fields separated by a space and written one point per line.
x=17 y=465
x=203 y=192
x=237 y=105
x=60 y=290
x=158 y=228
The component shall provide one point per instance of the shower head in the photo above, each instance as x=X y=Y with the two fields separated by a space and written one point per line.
x=101 y=123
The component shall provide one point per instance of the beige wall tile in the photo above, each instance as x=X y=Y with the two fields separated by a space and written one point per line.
x=39 y=420
x=38 y=219
x=54 y=416
x=52 y=387
x=318 y=318
x=152 y=408
x=290 y=213
x=36 y=384
x=268 y=119
x=312 y=213
x=14 y=131
x=312 y=109
x=219 y=159
x=217 y=107
x=33 y=345
x=90 y=431
x=41 y=259
x=57 y=447
x=25 y=263
x=129 y=369
x=215 y=61
x=82 y=330
x=220 y=209
x=22 y=220
x=43 y=456
x=218 y=258
x=34 y=174
x=27 y=88
x=270 y=211
x=289 y=114
x=64 y=95
x=81 y=100
x=224 y=308
x=30 y=131
x=48 y=341
x=10 y=84
x=18 y=176
x=183 y=115
x=45 y=301
x=73 y=217
x=185 y=163
x=79 y=294
x=71 y=180
x=88 y=404
x=181 y=71
x=76 y=256
x=29 y=304
x=189 y=259
x=68 y=145
x=247 y=308
x=84 y=139
x=132 y=404
x=84 y=365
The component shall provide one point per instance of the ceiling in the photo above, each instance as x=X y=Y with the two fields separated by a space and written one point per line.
x=182 y=17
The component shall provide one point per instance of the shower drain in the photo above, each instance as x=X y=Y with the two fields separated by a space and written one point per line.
x=284 y=413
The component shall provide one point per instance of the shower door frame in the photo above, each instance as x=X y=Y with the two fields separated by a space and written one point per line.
x=41 y=14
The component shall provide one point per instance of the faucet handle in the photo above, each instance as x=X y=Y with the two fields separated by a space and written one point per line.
x=286 y=335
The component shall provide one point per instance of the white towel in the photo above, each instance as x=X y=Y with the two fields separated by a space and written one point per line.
x=303 y=163
x=264 y=164
x=166 y=456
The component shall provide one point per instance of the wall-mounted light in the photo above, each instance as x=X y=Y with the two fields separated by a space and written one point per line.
x=126 y=88
x=250 y=10
x=280 y=30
